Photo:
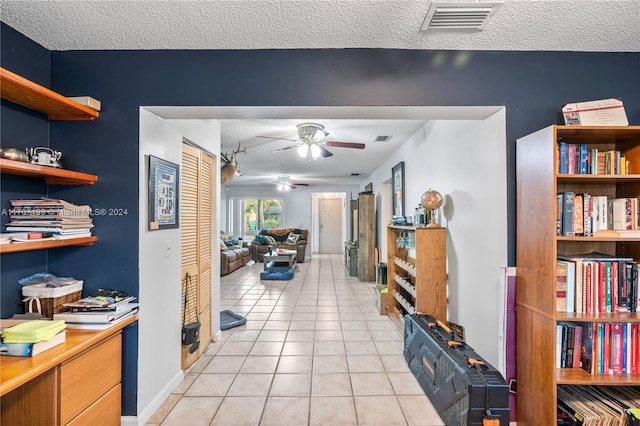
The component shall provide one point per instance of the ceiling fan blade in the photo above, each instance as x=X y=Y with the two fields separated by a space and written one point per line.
x=299 y=184
x=324 y=151
x=278 y=139
x=344 y=144
x=285 y=148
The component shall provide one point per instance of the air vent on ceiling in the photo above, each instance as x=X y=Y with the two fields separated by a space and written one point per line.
x=459 y=16
x=382 y=138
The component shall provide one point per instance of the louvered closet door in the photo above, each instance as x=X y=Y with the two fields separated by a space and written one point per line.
x=196 y=208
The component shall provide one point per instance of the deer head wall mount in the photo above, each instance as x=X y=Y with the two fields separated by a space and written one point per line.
x=230 y=167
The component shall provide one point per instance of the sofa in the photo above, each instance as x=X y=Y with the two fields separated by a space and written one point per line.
x=285 y=238
x=233 y=255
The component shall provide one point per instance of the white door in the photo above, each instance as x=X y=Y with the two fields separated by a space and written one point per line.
x=330 y=240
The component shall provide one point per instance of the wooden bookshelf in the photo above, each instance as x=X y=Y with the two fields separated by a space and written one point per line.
x=24 y=92
x=46 y=244
x=52 y=175
x=57 y=107
x=538 y=246
x=417 y=284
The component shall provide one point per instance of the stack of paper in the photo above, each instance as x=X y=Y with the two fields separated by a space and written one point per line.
x=32 y=331
x=59 y=217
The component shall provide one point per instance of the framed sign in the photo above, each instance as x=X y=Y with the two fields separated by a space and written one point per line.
x=163 y=194
x=397 y=176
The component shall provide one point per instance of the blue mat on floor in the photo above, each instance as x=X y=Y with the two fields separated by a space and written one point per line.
x=277 y=274
x=229 y=319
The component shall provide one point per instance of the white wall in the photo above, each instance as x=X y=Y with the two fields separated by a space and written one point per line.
x=160 y=318
x=464 y=160
x=298 y=206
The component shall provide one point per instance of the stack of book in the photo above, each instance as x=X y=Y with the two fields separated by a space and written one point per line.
x=48 y=215
x=97 y=312
x=596 y=405
x=29 y=338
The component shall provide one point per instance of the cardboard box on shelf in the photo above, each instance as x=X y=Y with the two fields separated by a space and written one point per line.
x=603 y=112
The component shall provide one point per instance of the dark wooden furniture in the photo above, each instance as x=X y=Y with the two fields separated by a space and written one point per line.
x=537 y=248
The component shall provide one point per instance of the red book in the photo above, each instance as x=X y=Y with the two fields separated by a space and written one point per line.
x=577 y=344
x=602 y=288
x=634 y=348
x=616 y=348
x=606 y=354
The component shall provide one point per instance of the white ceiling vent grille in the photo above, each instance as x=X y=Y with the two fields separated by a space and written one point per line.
x=459 y=16
x=382 y=138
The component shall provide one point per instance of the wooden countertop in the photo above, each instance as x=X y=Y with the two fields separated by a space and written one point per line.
x=16 y=370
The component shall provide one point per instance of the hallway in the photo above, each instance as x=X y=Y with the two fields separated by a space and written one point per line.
x=314 y=351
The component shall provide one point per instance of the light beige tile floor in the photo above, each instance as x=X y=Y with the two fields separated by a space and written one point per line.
x=314 y=351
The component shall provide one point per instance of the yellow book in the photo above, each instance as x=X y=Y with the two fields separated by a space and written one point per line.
x=32 y=331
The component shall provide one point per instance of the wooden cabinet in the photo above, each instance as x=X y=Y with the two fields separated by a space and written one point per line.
x=57 y=107
x=366 y=237
x=75 y=383
x=417 y=284
x=537 y=249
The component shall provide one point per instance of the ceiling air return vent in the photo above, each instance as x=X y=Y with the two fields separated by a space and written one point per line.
x=382 y=138
x=459 y=16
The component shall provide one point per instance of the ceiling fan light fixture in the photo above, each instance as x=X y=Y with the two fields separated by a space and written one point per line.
x=303 y=150
x=315 y=151
x=311 y=132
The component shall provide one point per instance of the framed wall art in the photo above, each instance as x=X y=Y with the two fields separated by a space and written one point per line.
x=397 y=176
x=163 y=194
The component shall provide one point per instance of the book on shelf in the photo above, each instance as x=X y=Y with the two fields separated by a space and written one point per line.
x=598 y=404
x=96 y=317
x=101 y=325
x=584 y=214
x=597 y=283
x=98 y=303
x=582 y=160
x=32 y=349
x=606 y=348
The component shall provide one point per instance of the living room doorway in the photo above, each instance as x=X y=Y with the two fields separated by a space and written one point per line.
x=330 y=217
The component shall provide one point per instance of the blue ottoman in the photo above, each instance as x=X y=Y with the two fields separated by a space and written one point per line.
x=277 y=274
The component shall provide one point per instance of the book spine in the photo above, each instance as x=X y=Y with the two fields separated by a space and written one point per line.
x=577 y=344
x=563 y=162
x=584 y=160
x=559 y=215
x=578 y=215
x=593 y=162
x=567 y=220
x=561 y=286
x=572 y=159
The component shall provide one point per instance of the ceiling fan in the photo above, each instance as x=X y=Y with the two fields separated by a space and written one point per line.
x=312 y=144
x=285 y=184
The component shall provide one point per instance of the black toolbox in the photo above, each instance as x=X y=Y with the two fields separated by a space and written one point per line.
x=462 y=386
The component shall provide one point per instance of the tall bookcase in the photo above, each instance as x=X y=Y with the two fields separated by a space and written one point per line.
x=537 y=249
x=417 y=284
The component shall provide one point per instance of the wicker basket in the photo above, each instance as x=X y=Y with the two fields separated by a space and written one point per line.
x=50 y=300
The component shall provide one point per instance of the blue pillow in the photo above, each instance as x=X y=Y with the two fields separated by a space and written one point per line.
x=259 y=239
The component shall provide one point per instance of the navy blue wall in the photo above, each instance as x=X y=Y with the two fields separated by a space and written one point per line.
x=532 y=86
x=21 y=128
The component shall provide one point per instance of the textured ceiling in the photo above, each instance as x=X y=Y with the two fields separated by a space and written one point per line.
x=569 y=25
x=541 y=25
